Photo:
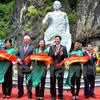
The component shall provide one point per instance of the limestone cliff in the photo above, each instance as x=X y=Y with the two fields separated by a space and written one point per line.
x=88 y=25
x=21 y=24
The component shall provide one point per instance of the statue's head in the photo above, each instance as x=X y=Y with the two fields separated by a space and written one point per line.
x=56 y=5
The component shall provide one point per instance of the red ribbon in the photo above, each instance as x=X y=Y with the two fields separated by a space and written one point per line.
x=74 y=58
x=5 y=55
x=40 y=57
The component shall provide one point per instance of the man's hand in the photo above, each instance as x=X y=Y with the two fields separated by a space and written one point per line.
x=61 y=51
x=19 y=61
x=31 y=68
x=91 y=53
x=57 y=51
x=94 y=54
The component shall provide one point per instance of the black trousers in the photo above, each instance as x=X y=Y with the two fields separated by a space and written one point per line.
x=56 y=74
x=24 y=70
x=89 y=80
x=41 y=86
x=7 y=84
x=77 y=79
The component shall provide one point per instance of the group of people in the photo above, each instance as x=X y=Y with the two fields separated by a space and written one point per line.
x=36 y=70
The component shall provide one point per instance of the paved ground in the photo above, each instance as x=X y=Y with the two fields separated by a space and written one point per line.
x=67 y=95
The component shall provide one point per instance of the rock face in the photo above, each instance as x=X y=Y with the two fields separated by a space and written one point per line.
x=20 y=19
x=88 y=25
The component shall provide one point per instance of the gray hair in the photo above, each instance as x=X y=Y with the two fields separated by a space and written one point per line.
x=26 y=37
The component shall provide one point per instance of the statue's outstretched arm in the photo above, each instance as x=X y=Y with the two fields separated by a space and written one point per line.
x=46 y=19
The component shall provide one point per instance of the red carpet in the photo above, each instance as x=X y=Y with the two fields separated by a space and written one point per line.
x=67 y=95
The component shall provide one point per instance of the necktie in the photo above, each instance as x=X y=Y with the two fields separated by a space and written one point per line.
x=57 y=48
x=25 y=48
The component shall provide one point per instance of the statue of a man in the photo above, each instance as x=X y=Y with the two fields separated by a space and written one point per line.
x=58 y=24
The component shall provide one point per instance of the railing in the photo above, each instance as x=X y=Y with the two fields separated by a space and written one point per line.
x=47 y=84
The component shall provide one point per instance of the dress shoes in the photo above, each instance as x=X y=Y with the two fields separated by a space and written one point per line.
x=73 y=98
x=7 y=96
x=53 y=98
x=29 y=97
x=93 y=96
x=87 y=97
x=4 y=96
x=61 y=98
x=38 y=98
x=76 y=98
x=19 y=96
x=41 y=98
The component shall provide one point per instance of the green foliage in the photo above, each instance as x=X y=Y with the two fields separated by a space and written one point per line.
x=63 y=9
x=5 y=1
x=72 y=16
x=6 y=10
x=49 y=2
x=33 y=12
x=90 y=6
x=98 y=48
x=73 y=4
x=42 y=34
x=45 y=9
x=26 y=28
x=28 y=25
x=98 y=69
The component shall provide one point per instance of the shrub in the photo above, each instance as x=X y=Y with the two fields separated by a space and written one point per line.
x=33 y=12
x=6 y=9
x=72 y=16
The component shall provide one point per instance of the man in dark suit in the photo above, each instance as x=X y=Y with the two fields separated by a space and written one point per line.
x=24 y=51
x=89 y=72
x=58 y=52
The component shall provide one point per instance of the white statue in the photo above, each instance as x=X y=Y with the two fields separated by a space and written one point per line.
x=58 y=24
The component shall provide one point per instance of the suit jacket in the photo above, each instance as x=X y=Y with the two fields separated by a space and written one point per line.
x=22 y=55
x=57 y=58
x=89 y=66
